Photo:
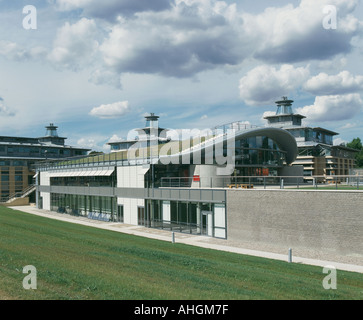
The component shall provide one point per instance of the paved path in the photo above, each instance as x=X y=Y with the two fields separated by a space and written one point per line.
x=195 y=240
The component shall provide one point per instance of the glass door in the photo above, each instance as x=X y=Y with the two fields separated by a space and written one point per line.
x=207 y=223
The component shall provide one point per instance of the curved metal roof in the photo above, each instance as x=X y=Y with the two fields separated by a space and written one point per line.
x=284 y=139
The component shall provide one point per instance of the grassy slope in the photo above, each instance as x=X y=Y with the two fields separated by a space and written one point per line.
x=78 y=262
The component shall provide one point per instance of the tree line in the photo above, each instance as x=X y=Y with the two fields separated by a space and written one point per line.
x=356 y=143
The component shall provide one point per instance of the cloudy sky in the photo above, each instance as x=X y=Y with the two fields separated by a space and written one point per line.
x=95 y=68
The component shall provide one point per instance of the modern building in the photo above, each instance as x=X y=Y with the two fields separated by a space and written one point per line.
x=189 y=186
x=170 y=184
x=317 y=154
x=18 y=155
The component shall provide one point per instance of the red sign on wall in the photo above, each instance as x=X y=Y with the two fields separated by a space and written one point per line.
x=196 y=178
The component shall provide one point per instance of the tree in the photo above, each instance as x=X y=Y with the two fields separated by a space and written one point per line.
x=95 y=153
x=356 y=143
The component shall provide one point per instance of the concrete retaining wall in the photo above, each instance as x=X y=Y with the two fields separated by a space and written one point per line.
x=17 y=202
x=320 y=221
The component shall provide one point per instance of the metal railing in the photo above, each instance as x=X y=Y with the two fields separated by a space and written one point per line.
x=17 y=195
x=236 y=126
x=341 y=182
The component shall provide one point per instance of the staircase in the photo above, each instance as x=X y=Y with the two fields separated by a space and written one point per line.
x=19 y=195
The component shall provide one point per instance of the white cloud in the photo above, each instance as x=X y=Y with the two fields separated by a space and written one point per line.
x=13 y=51
x=94 y=143
x=342 y=83
x=333 y=64
x=88 y=143
x=4 y=110
x=348 y=126
x=263 y=84
x=75 y=44
x=113 y=110
x=294 y=34
x=191 y=37
x=333 y=108
x=115 y=138
x=339 y=141
x=182 y=38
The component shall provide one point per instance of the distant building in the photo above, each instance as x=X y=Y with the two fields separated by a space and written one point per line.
x=19 y=154
x=148 y=135
x=317 y=154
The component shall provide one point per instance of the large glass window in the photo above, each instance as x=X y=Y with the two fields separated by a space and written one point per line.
x=258 y=151
x=92 y=181
x=93 y=207
x=189 y=217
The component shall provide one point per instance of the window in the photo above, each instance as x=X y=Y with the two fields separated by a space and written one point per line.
x=19 y=164
x=120 y=213
x=141 y=216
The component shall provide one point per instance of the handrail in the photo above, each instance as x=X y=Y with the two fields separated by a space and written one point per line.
x=17 y=195
x=339 y=181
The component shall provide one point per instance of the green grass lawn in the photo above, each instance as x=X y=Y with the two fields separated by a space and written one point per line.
x=79 y=262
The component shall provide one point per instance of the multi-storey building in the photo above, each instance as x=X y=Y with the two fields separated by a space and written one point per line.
x=136 y=186
x=19 y=154
x=184 y=186
x=317 y=153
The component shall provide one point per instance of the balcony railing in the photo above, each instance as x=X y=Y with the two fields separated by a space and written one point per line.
x=338 y=182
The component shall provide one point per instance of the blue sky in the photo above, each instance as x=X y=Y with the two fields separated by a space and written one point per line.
x=95 y=68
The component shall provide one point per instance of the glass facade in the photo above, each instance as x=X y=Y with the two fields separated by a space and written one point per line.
x=257 y=151
x=91 y=181
x=187 y=217
x=93 y=207
x=309 y=134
